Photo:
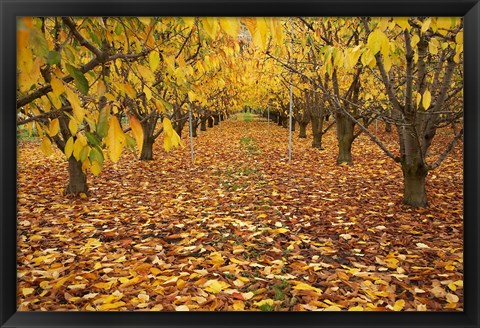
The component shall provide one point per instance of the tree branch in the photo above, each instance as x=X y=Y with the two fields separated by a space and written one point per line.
x=447 y=150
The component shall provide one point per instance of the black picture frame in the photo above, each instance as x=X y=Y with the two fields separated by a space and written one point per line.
x=9 y=10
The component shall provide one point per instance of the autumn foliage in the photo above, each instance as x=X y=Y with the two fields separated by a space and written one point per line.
x=153 y=168
x=241 y=229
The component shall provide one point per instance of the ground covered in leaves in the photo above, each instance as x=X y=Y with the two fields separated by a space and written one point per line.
x=240 y=229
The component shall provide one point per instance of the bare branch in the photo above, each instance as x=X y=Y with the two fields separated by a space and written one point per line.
x=447 y=150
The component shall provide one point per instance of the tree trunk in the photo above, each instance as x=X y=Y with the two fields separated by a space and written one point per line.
x=210 y=122
x=179 y=127
x=280 y=120
x=77 y=178
x=148 y=128
x=194 y=128
x=303 y=129
x=345 y=138
x=203 y=124
x=388 y=126
x=216 y=120
x=293 y=124
x=414 y=176
x=147 y=149
x=285 y=122
x=317 y=126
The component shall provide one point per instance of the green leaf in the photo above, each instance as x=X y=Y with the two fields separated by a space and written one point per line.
x=79 y=79
x=96 y=154
x=84 y=153
x=38 y=42
x=92 y=139
x=53 y=57
x=102 y=124
x=131 y=143
x=118 y=29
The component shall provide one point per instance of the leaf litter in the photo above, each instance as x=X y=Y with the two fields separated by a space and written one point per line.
x=241 y=229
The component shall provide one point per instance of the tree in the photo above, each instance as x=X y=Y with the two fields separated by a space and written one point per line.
x=419 y=61
x=71 y=84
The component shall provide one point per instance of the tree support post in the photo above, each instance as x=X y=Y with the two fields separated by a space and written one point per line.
x=191 y=132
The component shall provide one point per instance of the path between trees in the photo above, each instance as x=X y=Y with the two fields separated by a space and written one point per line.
x=240 y=229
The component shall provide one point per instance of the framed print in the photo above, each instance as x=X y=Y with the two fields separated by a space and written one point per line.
x=239 y=163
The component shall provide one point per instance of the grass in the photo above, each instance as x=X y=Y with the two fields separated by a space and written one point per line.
x=247 y=117
x=24 y=135
x=267 y=307
x=249 y=144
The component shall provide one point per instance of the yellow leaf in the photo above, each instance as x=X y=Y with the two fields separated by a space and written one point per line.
x=57 y=86
x=452 y=286
x=55 y=100
x=459 y=37
x=153 y=60
x=230 y=25
x=444 y=23
x=398 y=306
x=155 y=271
x=387 y=62
x=182 y=308
x=376 y=40
x=137 y=131
x=452 y=298
x=191 y=95
x=146 y=73
x=215 y=286
x=426 y=99
x=171 y=138
x=426 y=24
x=262 y=33
x=449 y=267
x=248 y=295
x=304 y=286
x=280 y=230
x=433 y=47
x=95 y=168
x=148 y=92
x=104 y=285
x=77 y=286
x=35 y=237
x=333 y=308
x=402 y=22
x=46 y=146
x=343 y=275
x=210 y=24
x=73 y=126
x=110 y=306
x=262 y=216
x=77 y=148
x=61 y=281
x=130 y=282
x=101 y=88
x=414 y=41
x=268 y=301
x=115 y=139
x=97 y=266
x=419 y=98
x=356 y=308
x=127 y=87
x=54 y=127
x=69 y=147
x=27 y=291
x=78 y=111
x=238 y=305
